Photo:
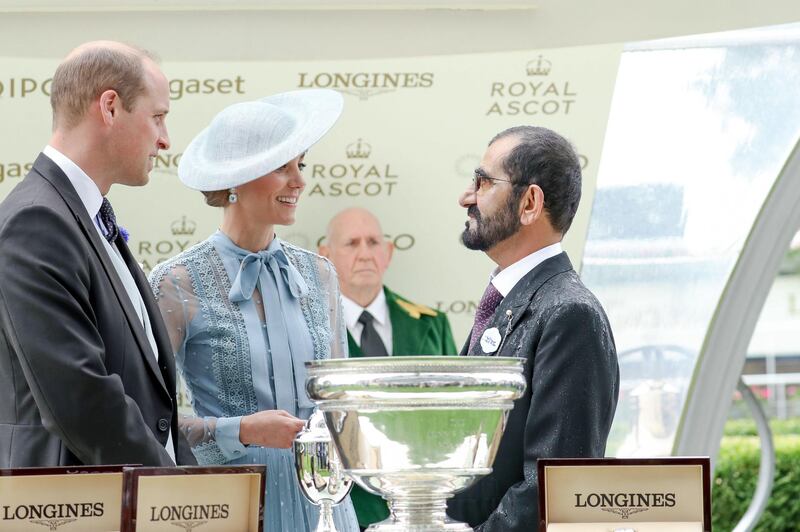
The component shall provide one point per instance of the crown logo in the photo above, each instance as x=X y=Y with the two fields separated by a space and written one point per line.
x=183 y=227
x=538 y=67
x=358 y=150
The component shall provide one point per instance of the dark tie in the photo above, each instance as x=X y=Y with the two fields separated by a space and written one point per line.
x=109 y=221
x=488 y=304
x=371 y=344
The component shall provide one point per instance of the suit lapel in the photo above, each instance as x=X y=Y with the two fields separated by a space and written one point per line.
x=354 y=350
x=511 y=310
x=55 y=176
x=160 y=333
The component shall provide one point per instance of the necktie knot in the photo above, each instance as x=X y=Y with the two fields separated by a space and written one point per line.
x=366 y=318
x=109 y=221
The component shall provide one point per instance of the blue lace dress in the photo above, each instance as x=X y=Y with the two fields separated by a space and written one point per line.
x=242 y=325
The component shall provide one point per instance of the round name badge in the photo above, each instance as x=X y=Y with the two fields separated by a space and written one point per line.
x=490 y=340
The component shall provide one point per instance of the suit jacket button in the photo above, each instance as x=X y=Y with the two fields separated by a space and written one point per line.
x=163 y=425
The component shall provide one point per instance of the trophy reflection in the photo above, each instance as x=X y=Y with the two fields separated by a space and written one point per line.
x=319 y=470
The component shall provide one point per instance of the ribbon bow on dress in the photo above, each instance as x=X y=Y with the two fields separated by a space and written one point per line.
x=250 y=270
x=266 y=269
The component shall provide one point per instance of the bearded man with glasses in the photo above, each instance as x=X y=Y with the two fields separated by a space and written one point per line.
x=519 y=206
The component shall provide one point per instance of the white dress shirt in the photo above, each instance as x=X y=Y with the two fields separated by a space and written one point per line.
x=379 y=310
x=504 y=280
x=92 y=200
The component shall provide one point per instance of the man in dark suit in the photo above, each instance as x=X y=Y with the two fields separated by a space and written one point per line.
x=522 y=201
x=86 y=370
x=379 y=321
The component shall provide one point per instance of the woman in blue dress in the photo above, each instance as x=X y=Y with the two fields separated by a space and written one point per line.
x=244 y=309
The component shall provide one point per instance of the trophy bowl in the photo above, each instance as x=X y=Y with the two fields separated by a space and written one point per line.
x=415 y=430
x=319 y=471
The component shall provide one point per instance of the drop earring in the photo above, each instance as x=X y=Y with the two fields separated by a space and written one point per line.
x=233 y=197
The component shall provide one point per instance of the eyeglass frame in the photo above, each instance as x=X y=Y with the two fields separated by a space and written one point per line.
x=480 y=175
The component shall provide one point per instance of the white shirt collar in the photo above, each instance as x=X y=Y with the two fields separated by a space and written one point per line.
x=378 y=308
x=507 y=278
x=86 y=188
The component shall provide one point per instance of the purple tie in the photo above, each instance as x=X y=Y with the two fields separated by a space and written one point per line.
x=488 y=304
x=109 y=221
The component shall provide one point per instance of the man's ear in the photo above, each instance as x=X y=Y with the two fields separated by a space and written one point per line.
x=109 y=104
x=532 y=205
x=389 y=251
x=324 y=250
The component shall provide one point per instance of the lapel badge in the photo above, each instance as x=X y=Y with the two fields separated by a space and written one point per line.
x=490 y=340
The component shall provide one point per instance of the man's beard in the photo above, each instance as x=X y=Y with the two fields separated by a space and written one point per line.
x=490 y=231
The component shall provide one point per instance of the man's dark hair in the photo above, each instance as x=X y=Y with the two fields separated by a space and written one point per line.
x=545 y=158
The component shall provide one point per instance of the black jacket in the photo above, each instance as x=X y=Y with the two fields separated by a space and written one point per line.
x=562 y=332
x=79 y=383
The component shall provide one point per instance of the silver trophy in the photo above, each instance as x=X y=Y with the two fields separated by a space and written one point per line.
x=319 y=470
x=415 y=430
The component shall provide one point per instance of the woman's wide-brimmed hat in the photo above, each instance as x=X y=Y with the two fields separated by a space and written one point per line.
x=248 y=140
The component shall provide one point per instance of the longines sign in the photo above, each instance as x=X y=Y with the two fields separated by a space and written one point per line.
x=644 y=494
x=365 y=84
x=194 y=498
x=63 y=499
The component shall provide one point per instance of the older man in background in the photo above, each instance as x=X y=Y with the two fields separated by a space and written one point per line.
x=379 y=321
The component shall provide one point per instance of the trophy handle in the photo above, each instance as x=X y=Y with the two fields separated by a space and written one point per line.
x=326 y=517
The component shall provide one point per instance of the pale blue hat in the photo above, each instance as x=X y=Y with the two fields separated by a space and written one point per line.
x=250 y=139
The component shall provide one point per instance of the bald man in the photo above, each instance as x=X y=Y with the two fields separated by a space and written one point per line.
x=379 y=322
x=87 y=374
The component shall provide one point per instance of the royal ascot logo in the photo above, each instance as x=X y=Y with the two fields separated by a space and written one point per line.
x=358 y=150
x=52 y=516
x=355 y=176
x=149 y=253
x=183 y=227
x=189 y=516
x=363 y=85
x=538 y=67
x=14 y=170
x=624 y=504
x=536 y=94
x=24 y=87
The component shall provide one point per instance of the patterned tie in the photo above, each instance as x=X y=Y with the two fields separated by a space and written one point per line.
x=109 y=221
x=371 y=344
x=488 y=304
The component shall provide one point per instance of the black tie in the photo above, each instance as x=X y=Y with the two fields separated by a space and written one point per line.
x=371 y=344
x=109 y=221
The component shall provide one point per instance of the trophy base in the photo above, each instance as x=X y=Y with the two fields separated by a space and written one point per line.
x=419 y=512
x=391 y=525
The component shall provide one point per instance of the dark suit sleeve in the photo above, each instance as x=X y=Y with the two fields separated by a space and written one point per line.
x=46 y=312
x=574 y=387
